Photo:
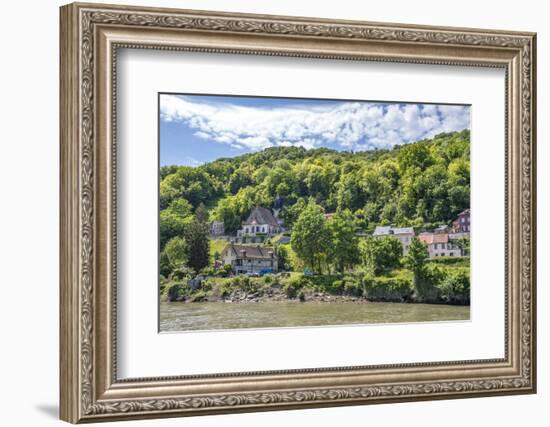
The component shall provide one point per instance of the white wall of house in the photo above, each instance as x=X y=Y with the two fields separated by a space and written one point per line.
x=248 y=264
x=443 y=249
x=406 y=240
x=254 y=229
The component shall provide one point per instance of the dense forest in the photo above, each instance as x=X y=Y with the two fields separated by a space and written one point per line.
x=422 y=184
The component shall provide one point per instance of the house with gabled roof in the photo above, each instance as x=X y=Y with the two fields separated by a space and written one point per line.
x=403 y=234
x=439 y=244
x=462 y=223
x=250 y=258
x=260 y=225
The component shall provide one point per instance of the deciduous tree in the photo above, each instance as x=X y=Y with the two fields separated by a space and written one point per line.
x=310 y=236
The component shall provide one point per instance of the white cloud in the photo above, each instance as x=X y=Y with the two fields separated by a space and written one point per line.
x=351 y=125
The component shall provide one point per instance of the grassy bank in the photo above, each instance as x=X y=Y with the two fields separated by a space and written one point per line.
x=449 y=279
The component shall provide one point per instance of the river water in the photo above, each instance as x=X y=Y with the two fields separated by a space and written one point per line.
x=178 y=316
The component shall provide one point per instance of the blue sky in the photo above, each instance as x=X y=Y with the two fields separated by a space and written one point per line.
x=197 y=129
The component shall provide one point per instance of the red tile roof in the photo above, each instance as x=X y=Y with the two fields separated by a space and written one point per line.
x=431 y=238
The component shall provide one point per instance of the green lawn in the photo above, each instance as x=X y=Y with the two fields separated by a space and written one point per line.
x=216 y=245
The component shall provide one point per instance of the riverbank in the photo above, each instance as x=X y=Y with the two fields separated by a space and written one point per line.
x=242 y=289
x=272 y=295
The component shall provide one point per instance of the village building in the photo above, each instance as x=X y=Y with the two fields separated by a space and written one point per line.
x=439 y=245
x=217 y=228
x=260 y=225
x=250 y=258
x=404 y=235
x=462 y=223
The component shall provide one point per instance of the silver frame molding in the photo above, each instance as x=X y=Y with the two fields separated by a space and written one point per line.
x=90 y=37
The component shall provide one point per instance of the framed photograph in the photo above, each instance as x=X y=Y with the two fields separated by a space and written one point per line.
x=266 y=212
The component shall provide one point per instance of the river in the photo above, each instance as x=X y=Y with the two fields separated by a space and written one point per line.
x=177 y=316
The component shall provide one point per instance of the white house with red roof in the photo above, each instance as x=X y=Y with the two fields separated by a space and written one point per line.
x=439 y=245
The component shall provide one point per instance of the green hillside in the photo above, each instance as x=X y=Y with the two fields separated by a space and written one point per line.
x=421 y=184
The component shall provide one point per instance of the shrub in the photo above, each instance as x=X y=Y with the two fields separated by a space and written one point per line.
x=336 y=287
x=293 y=287
x=451 y=260
x=395 y=289
x=353 y=287
x=226 y=288
x=208 y=271
x=177 y=292
x=207 y=285
x=181 y=273
x=455 y=288
x=199 y=296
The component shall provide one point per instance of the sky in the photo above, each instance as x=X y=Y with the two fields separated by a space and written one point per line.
x=197 y=129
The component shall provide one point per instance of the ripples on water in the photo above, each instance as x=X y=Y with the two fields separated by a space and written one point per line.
x=218 y=315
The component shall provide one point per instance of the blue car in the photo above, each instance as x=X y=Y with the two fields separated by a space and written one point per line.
x=265 y=271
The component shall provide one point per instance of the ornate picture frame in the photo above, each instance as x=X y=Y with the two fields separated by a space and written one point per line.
x=90 y=37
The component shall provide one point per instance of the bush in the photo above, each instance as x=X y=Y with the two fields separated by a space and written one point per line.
x=353 y=287
x=177 y=292
x=223 y=271
x=207 y=285
x=451 y=260
x=455 y=288
x=199 y=296
x=182 y=273
x=337 y=287
x=393 y=289
x=226 y=288
x=208 y=271
x=293 y=287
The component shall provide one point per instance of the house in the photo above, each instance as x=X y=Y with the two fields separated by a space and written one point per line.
x=217 y=228
x=440 y=245
x=260 y=225
x=462 y=223
x=250 y=258
x=404 y=235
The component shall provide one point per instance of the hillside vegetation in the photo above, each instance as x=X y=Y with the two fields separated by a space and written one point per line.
x=421 y=184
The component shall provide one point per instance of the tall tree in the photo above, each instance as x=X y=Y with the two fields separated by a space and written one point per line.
x=380 y=254
x=310 y=236
x=196 y=237
x=416 y=261
x=175 y=251
x=343 y=248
